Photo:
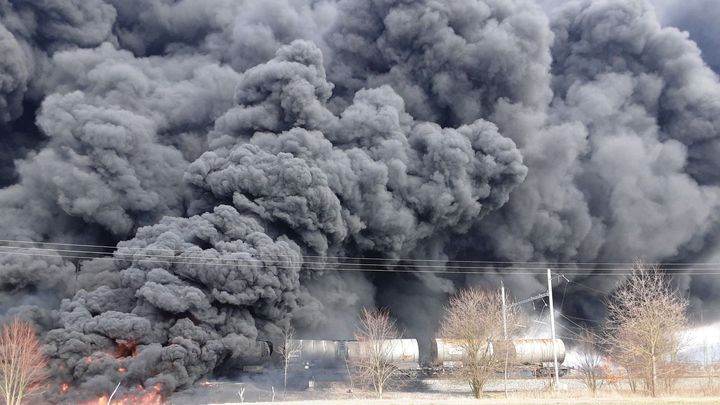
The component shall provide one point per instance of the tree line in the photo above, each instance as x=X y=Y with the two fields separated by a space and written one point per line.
x=639 y=342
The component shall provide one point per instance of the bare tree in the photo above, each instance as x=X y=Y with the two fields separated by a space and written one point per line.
x=22 y=362
x=473 y=321
x=288 y=350
x=590 y=364
x=372 y=362
x=645 y=318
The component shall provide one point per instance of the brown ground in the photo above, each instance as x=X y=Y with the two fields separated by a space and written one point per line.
x=518 y=401
x=446 y=392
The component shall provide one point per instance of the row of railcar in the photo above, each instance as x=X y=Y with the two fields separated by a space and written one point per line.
x=443 y=353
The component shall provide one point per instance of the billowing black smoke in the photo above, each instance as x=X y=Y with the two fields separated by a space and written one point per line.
x=235 y=150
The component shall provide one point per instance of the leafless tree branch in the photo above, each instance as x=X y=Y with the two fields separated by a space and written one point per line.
x=22 y=362
x=474 y=321
x=645 y=318
x=373 y=364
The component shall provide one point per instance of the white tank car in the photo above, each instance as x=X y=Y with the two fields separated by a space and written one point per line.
x=535 y=351
x=323 y=353
x=393 y=350
x=336 y=353
x=406 y=352
x=521 y=351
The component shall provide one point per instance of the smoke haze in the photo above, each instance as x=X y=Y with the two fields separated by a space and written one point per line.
x=235 y=151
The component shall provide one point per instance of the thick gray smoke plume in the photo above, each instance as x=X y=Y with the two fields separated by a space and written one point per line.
x=186 y=295
x=630 y=133
x=371 y=180
x=452 y=62
x=235 y=150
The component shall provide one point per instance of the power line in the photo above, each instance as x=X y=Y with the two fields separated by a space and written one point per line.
x=304 y=256
x=599 y=338
x=588 y=287
x=244 y=263
x=542 y=265
x=118 y=255
x=200 y=255
x=252 y=260
x=241 y=265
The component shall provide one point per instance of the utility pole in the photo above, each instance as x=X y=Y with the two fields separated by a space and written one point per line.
x=507 y=346
x=552 y=328
x=77 y=271
x=705 y=344
x=548 y=293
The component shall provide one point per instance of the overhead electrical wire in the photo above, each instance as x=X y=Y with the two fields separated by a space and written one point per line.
x=385 y=265
x=542 y=265
x=244 y=263
x=588 y=287
x=120 y=255
x=326 y=268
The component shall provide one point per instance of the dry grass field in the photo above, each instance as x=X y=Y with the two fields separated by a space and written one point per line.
x=446 y=392
x=517 y=401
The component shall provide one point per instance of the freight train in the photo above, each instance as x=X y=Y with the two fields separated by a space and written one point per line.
x=442 y=355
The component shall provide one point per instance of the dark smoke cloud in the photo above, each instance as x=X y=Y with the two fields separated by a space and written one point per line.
x=240 y=33
x=13 y=76
x=372 y=175
x=452 y=61
x=192 y=293
x=608 y=169
x=242 y=146
x=120 y=130
x=625 y=147
x=670 y=80
x=371 y=179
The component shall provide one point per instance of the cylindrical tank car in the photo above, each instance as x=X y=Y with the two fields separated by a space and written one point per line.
x=443 y=352
x=393 y=350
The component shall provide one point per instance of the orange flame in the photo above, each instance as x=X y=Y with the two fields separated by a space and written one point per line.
x=64 y=388
x=122 y=369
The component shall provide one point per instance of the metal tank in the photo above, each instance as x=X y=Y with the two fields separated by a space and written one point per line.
x=319 y=352
x=395 y=350
x=255 y=354
x=535 y=351
x=522 y=351
x=452 y=350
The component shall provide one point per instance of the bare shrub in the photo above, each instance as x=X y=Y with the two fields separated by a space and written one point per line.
x=473 y=321
x=591 y=361
x=645 y=318
x=670 y=370
x=22 y=362
x=372 y=363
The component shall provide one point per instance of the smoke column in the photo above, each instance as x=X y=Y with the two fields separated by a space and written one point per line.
x=233 y=151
